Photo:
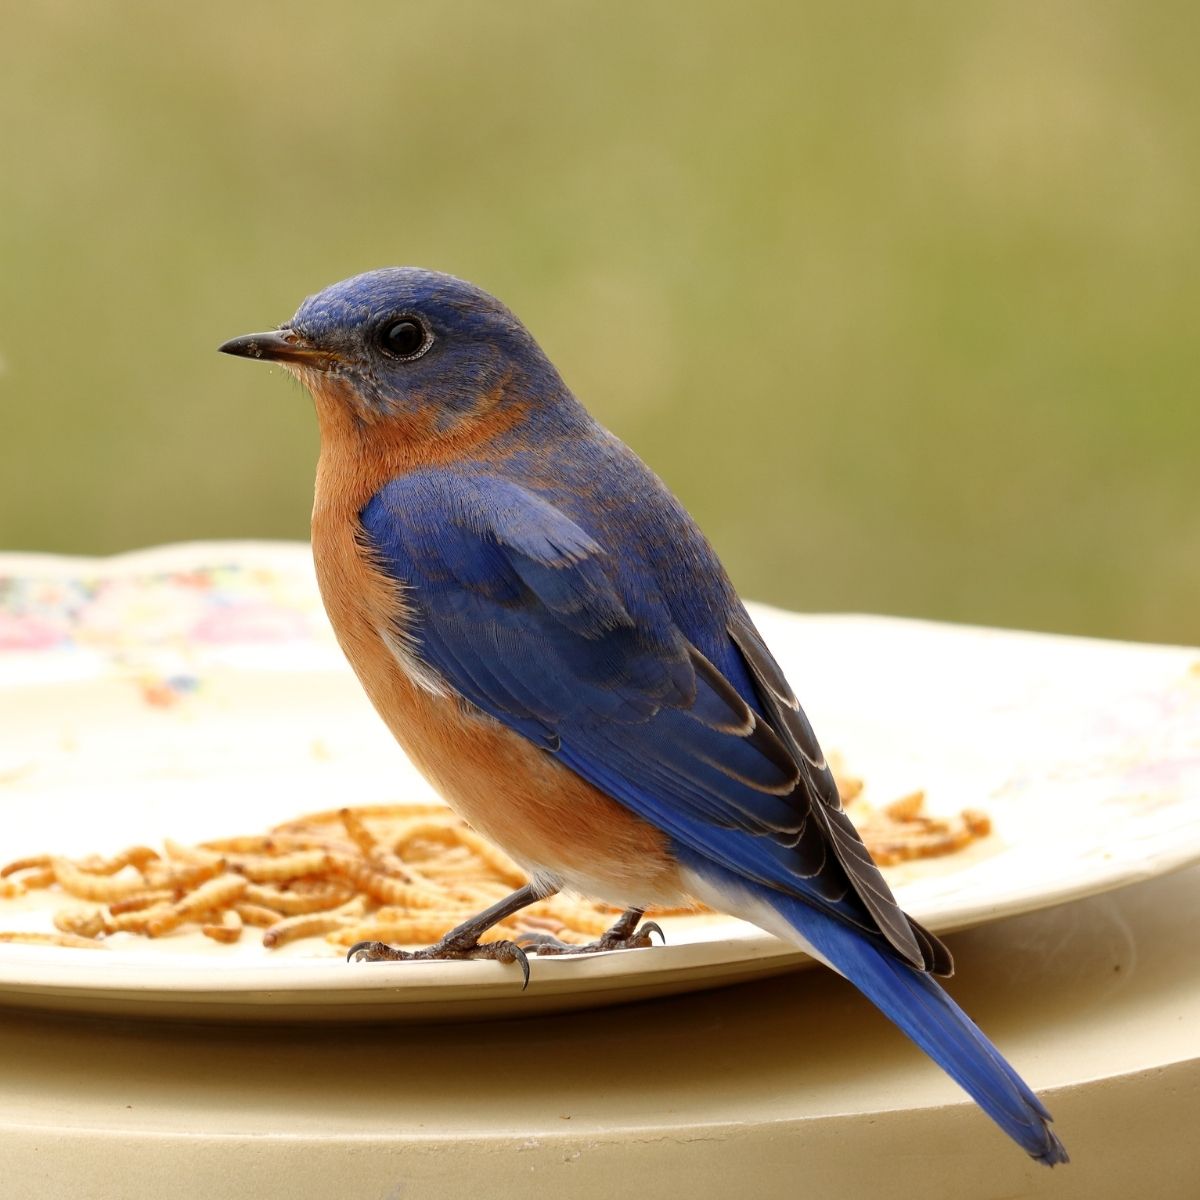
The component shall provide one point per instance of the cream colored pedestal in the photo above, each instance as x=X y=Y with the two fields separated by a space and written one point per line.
x=792 y=1087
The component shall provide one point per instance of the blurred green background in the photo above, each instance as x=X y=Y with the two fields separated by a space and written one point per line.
x=901 y=299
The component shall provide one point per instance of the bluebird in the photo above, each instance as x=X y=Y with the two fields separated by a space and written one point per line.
x=555 y=644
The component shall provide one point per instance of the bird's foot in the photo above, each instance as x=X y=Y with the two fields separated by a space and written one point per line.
x=622 y=936
x=449 y=947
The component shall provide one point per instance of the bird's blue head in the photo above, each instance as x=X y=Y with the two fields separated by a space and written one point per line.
x=405 y=343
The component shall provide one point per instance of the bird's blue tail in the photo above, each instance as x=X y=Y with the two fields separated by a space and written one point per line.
x=918 y=1004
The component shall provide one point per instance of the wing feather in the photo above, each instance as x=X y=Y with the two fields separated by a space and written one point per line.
x=913 y=942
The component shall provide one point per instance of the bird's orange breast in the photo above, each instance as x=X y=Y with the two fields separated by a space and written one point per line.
x=549 y=819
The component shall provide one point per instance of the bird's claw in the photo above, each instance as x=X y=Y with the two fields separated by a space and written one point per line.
x=647 y=928
x=500 y=951
x=547 y=943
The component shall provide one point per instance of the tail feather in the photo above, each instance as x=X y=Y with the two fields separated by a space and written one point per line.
x=918 y=1004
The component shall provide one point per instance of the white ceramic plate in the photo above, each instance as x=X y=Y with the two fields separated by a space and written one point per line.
x=196 y=691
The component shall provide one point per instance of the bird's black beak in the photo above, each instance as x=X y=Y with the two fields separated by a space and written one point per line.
x=279 y=345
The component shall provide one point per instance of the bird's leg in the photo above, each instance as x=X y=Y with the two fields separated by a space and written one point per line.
x=624 y=935
x=463 y=940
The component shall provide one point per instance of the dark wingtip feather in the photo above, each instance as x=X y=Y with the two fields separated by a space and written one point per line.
x=1054 y=1153
x=938 y=959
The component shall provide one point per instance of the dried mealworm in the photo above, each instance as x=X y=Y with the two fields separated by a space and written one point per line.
x=978 y=824
x=29 y=938
x=137 y=921
x=408 y=931
x=360 y=835
x=387 y=889
x=264 y=868
x=135 y=856
x=182 y=876
x=194 y=855
x=33 y=880
x=83 y=922
x=907 y=808
x=275 y=843
x=293 y=903
x=256 y=914
x=96 y=887
x=262 y=843
x=228 y=931
x=35 y=862
x=141 y=900
x=575 y=914
x=291 y=929
x=495 y=858
x=457 y=861
x=215 y=893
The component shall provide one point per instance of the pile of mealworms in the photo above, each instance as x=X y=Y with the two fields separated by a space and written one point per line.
x=402 y=874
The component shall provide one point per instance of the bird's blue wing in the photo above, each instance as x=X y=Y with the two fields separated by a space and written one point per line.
x=523 y=612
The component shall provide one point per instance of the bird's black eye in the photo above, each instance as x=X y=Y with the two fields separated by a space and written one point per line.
x=405 y=337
